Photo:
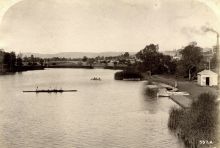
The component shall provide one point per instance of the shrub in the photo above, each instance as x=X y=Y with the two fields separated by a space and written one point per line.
x=127 y=75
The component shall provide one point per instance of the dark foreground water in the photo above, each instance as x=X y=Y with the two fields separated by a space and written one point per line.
x=102 y=114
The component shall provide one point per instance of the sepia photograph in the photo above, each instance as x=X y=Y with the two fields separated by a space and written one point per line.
x=109 y=74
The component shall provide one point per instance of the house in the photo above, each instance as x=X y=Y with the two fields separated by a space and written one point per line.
x=207 y=78
x=175 y=54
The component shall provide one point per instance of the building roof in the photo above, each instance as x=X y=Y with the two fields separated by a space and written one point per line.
x=207 y=72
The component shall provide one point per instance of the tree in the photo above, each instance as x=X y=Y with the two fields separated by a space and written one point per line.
x=150 y=58
x=41 y=62
x=90 y=61
x=32 y=59
x=9 y=59
x=126 y=55
x=168 y=64
x=19 y=60
x=84 y=59
x=191 y=59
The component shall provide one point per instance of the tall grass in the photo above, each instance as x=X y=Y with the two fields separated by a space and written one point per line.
x=176 y=115
x=198 y=123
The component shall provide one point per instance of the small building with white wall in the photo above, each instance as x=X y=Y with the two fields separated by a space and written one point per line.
x=207 y=78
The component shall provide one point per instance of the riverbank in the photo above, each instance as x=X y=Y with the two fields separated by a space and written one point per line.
x=87 y=66
x=21 y=69
x=70 y=66
x=187 y=86
x=187 y=122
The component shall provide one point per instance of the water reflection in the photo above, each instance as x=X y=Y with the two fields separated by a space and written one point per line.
x=101 y=114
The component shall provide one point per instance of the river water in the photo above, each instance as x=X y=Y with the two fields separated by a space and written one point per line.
x=101 y=114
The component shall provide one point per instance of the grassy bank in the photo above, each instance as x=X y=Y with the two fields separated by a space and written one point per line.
x=183 y=85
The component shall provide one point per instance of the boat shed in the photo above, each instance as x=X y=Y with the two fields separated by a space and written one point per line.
x=207 y=78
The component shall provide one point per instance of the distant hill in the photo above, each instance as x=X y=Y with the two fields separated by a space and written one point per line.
x=75 y=54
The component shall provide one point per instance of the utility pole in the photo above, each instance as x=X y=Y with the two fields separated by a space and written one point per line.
x=218 y=58
x=209 y=64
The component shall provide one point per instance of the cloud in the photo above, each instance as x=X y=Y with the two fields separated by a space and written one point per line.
x=121 y=25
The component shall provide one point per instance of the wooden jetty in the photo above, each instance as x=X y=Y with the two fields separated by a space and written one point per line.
x=49 y=91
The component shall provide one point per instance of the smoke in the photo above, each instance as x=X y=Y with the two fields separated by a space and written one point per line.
x=208 y=29
x=190 y=31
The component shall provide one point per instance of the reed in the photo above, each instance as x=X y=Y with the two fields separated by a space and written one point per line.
x=198 y=123
x=151 y=92
x=176 y=115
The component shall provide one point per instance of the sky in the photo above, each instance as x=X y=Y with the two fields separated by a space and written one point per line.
x=52 y=26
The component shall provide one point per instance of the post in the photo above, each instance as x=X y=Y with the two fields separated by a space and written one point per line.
x=209 y=64
x=189 y=75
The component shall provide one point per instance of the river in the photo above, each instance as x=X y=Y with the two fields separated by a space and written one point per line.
x=101 y=114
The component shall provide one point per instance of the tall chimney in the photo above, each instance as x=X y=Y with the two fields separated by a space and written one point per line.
x=218 y=60
x=217 y=45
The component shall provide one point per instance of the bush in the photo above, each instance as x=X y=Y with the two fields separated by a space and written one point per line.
x=127 y=75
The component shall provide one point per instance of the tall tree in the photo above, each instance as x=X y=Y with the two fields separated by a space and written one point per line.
x=19 y=61
x=9 y=60
x=191 y=59
x=126 y=55
x=85 y=58
x=149 y=57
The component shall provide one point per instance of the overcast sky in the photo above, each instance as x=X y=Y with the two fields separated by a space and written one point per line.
x=51 y=26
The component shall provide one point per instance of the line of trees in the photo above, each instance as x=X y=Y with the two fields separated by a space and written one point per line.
x=151 y=61
x=10 y=62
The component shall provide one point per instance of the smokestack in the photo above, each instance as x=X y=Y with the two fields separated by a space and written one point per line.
x=218 y=56
x=217 y=44
x=208 y=29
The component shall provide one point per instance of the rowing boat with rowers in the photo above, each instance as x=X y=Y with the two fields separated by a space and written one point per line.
x=49 y=91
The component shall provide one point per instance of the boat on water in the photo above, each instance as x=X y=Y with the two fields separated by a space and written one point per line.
x=49 y=91
x=96 y=79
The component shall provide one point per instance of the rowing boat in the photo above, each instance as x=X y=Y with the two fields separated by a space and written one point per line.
x=49 y=91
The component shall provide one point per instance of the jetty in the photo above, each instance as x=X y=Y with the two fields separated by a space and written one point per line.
x=49 y=91
x=181 y=98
